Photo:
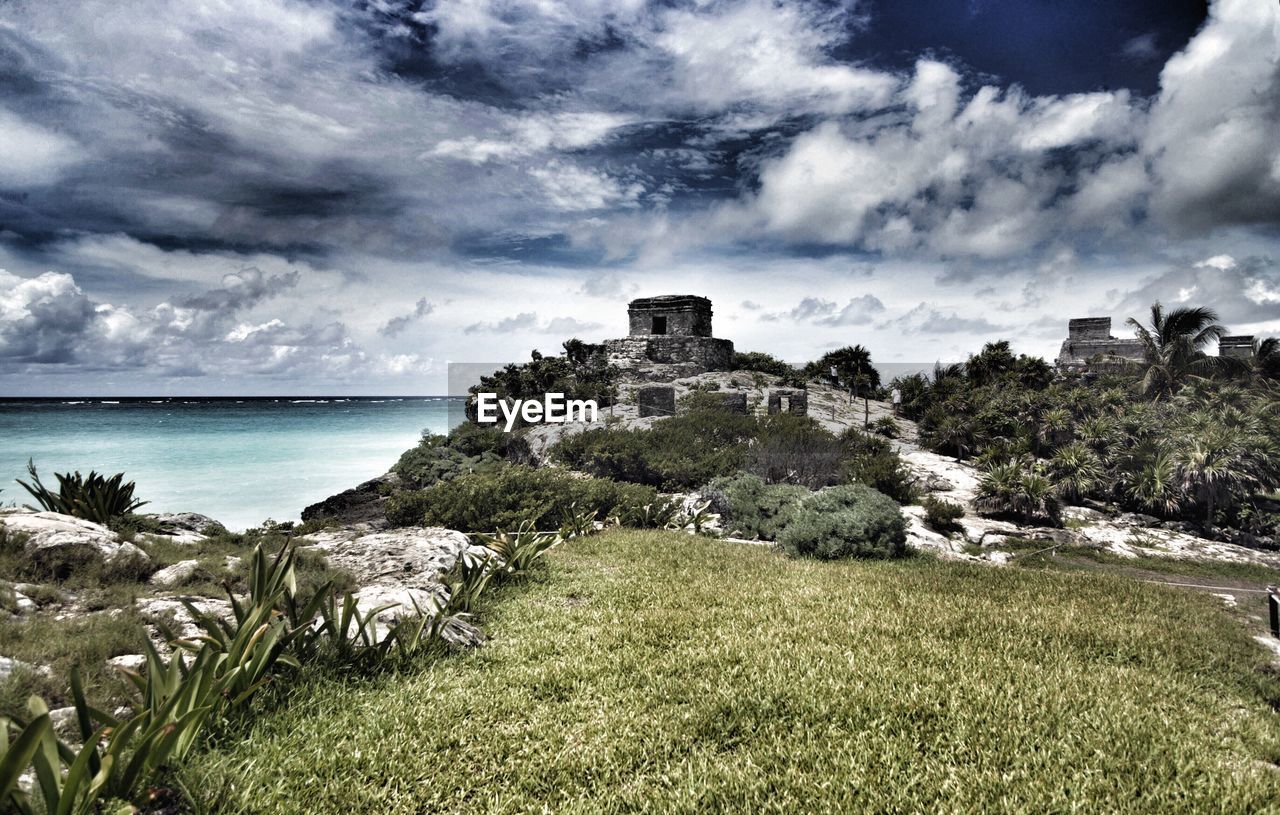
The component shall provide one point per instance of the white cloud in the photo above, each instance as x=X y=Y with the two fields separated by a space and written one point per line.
x=33 y=155
x=1212 y=138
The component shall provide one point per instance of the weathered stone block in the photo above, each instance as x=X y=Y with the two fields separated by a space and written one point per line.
x=656 y=401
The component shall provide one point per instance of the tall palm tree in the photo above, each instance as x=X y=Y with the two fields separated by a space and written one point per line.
x=1174 y=345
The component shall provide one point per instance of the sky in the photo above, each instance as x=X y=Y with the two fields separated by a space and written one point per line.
x=316 y=197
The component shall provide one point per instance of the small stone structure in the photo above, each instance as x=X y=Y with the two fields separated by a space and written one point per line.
x=1239 y=346
x=786 y=400
x=670 y=337
x=656 y=401
x=1089 y=338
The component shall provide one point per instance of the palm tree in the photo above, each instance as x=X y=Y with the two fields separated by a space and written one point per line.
x=1212 y=465
x=1265 y=363
x=1173 y=347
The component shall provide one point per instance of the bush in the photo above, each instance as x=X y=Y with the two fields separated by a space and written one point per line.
x=468 y=448
x=682 y=452
x=762 y=362
x=847 y=521
x=941 y=516
x=484 y=502
x=871 y=461
x=797 y=450
x=751 y=508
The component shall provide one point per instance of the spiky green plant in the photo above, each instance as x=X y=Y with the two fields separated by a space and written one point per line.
x=93 y=497
x=1077 y=470
x=468 y=579
x=1152 y=484
x=517 y=551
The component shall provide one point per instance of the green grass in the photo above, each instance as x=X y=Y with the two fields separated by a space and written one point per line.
x=654 y=672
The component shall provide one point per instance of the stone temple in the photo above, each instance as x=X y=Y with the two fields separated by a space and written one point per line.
x=670 y=337
x=1089 y=340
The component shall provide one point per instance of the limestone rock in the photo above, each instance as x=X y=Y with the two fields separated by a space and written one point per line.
x=399 y=568
x=185 y=527
x=409 y=557
x=127 y=556
x=129 y=662
x=59 y=541
x=8 y=666
x=171 y=612
x=175 y=575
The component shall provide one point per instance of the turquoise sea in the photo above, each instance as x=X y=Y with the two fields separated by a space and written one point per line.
x=240 y=461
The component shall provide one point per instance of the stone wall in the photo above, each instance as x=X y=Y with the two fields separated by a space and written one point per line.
x=1089 y=329
x=1089 y=338
x=664 y=358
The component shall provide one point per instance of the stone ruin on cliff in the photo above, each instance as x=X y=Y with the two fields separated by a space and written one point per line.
x=670 y=338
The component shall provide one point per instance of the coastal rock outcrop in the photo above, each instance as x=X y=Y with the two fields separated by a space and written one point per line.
x=362 y=504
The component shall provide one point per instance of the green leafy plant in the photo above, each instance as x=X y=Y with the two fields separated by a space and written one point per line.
x=942 y=516
x=93 y=497
x=468 y=579
x=851 y=520
x=517 y=551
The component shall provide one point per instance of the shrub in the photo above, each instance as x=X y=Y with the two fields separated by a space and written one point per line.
x=93 y=497
x=796 y=450
x=846 y=521
x=468 y=448
x=1008 y=489
x=871 y=461
x=682 y=452
x=751 y=508
x=886 y=426
x=941 y=516
x=762 y=362
x=484 y=502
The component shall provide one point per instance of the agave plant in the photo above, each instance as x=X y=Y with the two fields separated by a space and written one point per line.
x=577 y=523
x=93 y=497
x=518 y=551
x=695 y=519
x=468 y=579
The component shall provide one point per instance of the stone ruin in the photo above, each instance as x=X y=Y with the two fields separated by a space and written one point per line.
x=1239 y=346
x=1089 y=343
x=788 y=400
x=1089 y=338
x=670 y=337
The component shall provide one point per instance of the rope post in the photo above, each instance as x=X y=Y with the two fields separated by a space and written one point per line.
x=1273 y=606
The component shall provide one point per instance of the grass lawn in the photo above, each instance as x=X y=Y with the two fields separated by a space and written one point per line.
x=654 y=672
